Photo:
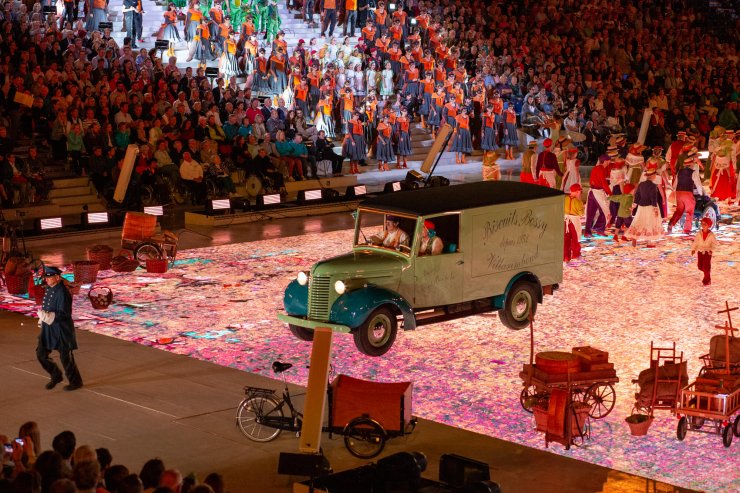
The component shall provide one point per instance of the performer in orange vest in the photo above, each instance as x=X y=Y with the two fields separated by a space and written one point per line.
x=404 y=138
x=462 y=142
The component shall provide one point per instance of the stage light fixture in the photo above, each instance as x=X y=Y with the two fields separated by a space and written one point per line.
x=313 y=195
x=392 y=6
x=220 y=204
x=413 y=22
x=269 y=200
x=155 y=210
x=392 y=186
x=103 y=25
x=96 y=218
x=161 y=44
x=355 y=191
x=50 y=223
x=703 y=154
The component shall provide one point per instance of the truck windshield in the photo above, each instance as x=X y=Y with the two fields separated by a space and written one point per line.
x=385 y=230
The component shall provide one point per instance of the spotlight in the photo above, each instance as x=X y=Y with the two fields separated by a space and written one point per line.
x=703 y=154
x=161 y=44
x=392 y=6
x=392 y=186
x=413 y=21
x=458 y=471
x=155 y=210
x=94 y=218
x=220 y=204
x=309 y=196
x=270 y=200
x=355 y=191
x=211 y=71
x=49 y=223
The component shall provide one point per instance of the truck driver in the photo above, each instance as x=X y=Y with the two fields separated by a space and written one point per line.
x=393 y=236
x=430 y=243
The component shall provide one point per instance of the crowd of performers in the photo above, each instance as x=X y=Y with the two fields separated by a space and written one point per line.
x=630 y=185
x=365 y=92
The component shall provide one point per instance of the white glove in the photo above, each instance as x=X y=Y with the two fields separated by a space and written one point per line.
x=46 y=317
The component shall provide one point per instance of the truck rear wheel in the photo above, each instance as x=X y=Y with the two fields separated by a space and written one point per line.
x=376 y=336
x=301 y=333
x=520 y=300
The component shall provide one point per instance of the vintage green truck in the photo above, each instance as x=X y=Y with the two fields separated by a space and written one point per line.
x=502 y=250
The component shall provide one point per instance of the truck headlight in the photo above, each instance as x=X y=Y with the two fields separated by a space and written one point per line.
x=340 y=287
x=302 y=278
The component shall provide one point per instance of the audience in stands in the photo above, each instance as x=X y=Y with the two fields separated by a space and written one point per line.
x=82 y=469
x=599 y=63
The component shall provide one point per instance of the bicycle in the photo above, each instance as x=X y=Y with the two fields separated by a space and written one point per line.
x=261 y=417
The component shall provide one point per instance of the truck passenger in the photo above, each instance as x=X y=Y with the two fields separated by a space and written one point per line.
x=430 y=243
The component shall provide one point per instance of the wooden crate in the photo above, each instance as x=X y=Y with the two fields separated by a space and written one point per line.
x=387 y=403
x=591 y=356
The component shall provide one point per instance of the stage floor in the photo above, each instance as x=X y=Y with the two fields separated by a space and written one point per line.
x=219 y=304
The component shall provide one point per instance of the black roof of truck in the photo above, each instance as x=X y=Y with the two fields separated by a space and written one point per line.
x=434 y=200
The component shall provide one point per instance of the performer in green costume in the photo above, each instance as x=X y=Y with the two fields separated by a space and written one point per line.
x=236 y=13
x=259 y=14
x=273 y=21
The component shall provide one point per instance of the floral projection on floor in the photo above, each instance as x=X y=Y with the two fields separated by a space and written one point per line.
x=219 y=304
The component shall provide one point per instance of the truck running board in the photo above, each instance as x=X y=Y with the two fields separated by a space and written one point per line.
x=451 y=312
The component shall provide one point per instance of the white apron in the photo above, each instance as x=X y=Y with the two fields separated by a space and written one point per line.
x=576 y=222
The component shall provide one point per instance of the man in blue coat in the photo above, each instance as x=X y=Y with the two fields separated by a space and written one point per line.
x=57 y=331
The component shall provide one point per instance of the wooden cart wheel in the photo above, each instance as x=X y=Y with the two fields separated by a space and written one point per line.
x=601 y=397
x=736 y=427
x=530 y=396
x=727 y=436
x=682 y=428
x=364 y=437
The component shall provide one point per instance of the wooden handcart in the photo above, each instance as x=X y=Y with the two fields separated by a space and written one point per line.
x=708 y=404
x=659 y=386
x=563 y=401
x=140 y=236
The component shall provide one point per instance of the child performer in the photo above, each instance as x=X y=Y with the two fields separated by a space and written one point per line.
x=573 y=213
x=359 y=153
x=434 y=119
x=704 y=244
x=624 y=199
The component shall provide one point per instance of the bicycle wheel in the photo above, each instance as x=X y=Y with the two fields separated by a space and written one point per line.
x=364 y=438
x=249 y=413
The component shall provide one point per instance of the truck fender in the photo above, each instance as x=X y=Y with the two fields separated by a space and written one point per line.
x=353 y=308
x=295 y=299
x=498 y=300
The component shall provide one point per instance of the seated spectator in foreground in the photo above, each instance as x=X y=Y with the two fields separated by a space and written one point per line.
x=191 y=174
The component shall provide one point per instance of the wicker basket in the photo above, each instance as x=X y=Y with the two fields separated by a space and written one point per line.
x=17 y=284
x=86 y=271
x=124 y=262
x=100 y=297
x=639 y=424
x=102 y=254
x=156 y=265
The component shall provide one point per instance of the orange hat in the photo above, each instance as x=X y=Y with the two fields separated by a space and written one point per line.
x=706 y=220
x=575 y=188
x=573 y=150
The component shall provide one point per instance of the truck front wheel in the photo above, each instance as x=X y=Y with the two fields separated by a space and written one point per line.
x=520 y=300
x=301 y=333
x=376 y=336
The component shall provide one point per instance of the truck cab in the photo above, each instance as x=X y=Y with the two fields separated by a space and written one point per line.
x=435 y=254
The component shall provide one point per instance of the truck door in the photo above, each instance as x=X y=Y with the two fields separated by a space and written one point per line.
x=438 y=279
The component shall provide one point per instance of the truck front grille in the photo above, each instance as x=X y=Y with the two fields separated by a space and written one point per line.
x=318 y=298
